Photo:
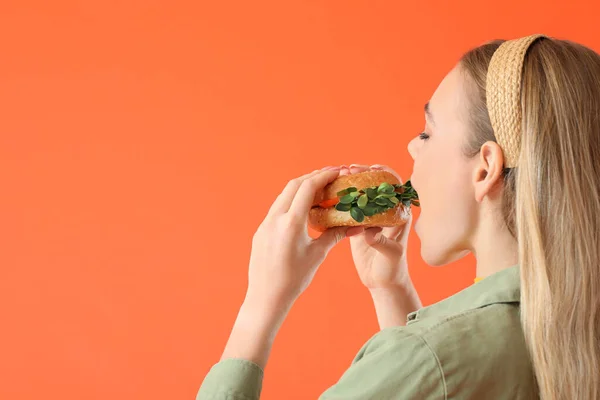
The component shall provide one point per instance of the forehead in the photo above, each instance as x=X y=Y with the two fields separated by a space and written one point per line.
x=448 y=105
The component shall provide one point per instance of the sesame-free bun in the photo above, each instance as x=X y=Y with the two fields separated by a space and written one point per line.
x=321 y=219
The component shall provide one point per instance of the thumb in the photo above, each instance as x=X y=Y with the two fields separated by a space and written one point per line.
x=331 y=237
x=388 y=247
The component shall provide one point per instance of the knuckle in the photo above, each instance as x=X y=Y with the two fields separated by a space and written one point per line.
x=308 y=184
x=294 y=183
x=278 y=198
x=303 y=187
x=291 y=220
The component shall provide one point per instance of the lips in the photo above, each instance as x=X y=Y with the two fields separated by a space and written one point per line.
x=413 y=183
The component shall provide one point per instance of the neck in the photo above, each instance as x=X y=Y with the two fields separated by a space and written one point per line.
x=494 y=248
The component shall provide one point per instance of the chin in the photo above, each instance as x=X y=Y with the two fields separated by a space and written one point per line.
x=433 y=260
x=438 y=257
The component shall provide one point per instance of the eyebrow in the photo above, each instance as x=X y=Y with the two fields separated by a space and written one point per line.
x=428 y=113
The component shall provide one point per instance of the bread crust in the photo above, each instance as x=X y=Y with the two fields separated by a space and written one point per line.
x=360 y=181
x=321 y=219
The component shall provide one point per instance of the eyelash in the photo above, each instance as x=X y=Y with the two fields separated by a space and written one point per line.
x=423 y=136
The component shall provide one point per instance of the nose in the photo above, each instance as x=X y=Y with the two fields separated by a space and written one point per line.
x=412 y=148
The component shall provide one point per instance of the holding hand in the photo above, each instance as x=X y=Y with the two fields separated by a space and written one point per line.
x=379 y=255
x=283 y=262
x=284 y=257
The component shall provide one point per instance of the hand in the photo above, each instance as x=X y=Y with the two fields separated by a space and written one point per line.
x=284 y=257
x=283 y=261
x=380 y=258
x=380 y=253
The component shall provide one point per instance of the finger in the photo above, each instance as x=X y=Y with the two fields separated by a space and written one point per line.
x=303 y=200
x=405 y=231
x=388 y=169
x=393 y=232
x=358 y=168
x=355 y=230
x=330 y=238
x=375 y=238
x=284 y=200
x=344 y=170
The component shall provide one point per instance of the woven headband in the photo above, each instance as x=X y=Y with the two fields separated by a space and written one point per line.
x=503 y=91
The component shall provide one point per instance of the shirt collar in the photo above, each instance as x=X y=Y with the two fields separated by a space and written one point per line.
x=503 y=286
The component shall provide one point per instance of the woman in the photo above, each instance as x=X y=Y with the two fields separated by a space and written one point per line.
x=512 y=135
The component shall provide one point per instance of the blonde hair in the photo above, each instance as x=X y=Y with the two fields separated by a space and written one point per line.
x=551 y=205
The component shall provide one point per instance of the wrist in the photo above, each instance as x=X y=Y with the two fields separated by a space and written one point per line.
x=253 y=333
x=387 y=291
x=263 y=312
x=393 y=295
x=403 y=289
x=394 y=303
x=396 y=284
x=266 y=306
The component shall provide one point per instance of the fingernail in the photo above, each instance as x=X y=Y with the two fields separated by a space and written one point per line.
x=376 y=166
x=353 y=165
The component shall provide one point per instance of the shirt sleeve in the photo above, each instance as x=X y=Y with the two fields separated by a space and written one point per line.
x=232 y=379
x=394 y=364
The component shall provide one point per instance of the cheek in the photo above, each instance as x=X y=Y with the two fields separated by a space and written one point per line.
x=435 y=181
x=447 y=211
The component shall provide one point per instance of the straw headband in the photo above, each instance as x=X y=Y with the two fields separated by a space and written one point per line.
x=503 y=91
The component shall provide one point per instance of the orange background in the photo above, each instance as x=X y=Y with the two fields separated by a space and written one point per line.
x=142 y=142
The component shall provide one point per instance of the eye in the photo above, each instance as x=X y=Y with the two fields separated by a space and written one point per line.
x=423 y=136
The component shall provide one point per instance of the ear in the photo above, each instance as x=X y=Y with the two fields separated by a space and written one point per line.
x=487 y=176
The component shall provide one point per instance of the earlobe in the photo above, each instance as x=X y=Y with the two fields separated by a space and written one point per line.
x=488 y=172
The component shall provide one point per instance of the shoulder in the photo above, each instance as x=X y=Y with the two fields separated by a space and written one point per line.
x=397 y=343
x=474 y=338
x=481 y=350
x=394 y=364
x=478 y=353
x=479 y=339
x=496 y=324
x=490 y=330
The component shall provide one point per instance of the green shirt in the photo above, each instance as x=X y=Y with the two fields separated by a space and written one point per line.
x=468 y=346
